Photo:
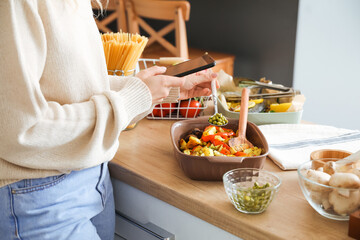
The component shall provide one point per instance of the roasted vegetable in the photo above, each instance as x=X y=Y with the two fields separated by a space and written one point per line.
x=213 y=142
x=194 y=132
x=183 y=144
x=193 y=142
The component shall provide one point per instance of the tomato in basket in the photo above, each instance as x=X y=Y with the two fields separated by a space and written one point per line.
x=190 y=110
x=161 y=110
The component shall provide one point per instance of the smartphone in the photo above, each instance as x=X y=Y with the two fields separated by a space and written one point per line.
x=191 y=66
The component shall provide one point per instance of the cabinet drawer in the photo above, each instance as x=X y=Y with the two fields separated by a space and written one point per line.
x=130 y=229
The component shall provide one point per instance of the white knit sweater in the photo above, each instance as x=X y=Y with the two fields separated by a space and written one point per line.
x=59 y=111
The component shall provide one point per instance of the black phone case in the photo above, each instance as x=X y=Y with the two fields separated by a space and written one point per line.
x=209 y=62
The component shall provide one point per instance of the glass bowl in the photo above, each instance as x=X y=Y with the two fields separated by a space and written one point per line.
x=251 y=190
x=331 y=202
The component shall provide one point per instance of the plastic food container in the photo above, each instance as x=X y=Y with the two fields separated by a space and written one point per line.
x=212 y=168
x=264 y=118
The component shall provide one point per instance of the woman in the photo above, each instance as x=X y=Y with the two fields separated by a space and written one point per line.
x=61 y=117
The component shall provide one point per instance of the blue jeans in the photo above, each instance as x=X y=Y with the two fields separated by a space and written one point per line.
x=79 y=205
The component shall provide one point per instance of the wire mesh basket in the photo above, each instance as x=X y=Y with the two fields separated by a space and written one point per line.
x=184 y=109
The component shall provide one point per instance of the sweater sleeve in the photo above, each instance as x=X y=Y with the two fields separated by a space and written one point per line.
x=40 y=134
x=117 y=83
x=173 y=97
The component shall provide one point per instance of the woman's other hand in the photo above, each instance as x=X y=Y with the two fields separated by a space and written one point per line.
x=198 y=84
x=158 y=84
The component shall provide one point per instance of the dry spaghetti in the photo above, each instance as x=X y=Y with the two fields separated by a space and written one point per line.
x=122 y=51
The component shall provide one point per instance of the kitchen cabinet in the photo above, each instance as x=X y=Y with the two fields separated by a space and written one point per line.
x=128 y=228
x=149 y=174
x=173 y=222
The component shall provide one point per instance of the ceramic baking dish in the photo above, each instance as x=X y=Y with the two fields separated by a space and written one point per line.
x=212 y=168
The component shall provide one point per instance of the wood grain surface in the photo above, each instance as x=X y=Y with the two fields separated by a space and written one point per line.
x=145 y=160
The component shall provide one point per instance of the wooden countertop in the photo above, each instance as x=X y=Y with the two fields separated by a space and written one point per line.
x=145 y=160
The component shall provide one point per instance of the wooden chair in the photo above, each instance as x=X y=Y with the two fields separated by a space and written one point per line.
x=174 y=12
x=117 y=14
x=131 y=14
x=177 y=13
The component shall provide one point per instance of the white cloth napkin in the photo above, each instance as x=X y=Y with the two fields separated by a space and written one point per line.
x=291 y=144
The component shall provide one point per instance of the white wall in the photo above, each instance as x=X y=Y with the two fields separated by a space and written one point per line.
x=327 y=61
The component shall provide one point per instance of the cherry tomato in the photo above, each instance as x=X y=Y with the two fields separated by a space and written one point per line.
x=190 y=110
x=161 y=110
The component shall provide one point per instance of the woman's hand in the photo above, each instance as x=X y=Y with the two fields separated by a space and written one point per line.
x=158 y=84
x=194 y=85
x=198 y=84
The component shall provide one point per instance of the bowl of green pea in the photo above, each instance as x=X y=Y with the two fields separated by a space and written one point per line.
x=218 y=120
x=251 y=190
